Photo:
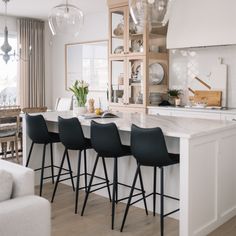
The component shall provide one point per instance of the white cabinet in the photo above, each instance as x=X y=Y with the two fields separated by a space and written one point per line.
x=155 y=111
x=178 y=112
x=230 y=117
x=200 y=115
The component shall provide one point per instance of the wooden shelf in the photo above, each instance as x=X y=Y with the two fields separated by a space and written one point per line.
x=138 y=84
x=158 y=55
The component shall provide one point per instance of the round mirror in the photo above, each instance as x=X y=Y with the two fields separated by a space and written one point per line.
x=156 y=73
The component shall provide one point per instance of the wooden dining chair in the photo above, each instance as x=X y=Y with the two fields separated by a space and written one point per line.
x=10 y=127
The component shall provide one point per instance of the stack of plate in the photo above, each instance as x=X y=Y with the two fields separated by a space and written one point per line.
x=155 y=99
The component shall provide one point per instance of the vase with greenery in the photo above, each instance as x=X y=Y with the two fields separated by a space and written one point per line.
x=80 y=91
x=174 y=96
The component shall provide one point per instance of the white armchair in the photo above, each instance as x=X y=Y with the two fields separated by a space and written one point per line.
x=24 y=214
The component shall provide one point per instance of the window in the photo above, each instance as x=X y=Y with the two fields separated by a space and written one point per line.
x=8 y=76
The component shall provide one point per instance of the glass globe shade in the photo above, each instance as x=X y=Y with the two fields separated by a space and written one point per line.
x=65 y=19
x=152 y=12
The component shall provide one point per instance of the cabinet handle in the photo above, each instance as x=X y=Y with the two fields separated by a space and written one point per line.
x=157 y=114
x=233 y=119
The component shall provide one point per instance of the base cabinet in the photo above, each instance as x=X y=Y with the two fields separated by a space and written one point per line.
x=220 y=115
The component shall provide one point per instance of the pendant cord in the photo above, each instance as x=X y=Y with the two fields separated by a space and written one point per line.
x=5 y=13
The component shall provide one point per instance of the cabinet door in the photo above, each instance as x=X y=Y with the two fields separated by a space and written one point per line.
x=117 y=80
x=136 y=86
x=117 y=29
x=136 y=37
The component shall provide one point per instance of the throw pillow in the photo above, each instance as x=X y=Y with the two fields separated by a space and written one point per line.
x=6 y=185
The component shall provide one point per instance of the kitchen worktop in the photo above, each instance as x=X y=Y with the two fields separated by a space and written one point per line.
x=171 y=126
x=211 y=110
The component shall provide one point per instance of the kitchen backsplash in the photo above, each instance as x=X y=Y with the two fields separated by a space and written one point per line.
x=185 y=64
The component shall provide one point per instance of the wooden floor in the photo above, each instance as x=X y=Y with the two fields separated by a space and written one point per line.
x=97 y=220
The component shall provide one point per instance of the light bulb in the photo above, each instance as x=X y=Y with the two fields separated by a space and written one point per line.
x=151 y=1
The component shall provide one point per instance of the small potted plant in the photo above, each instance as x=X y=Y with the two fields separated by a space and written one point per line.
x=174 y=96
x=80 y=91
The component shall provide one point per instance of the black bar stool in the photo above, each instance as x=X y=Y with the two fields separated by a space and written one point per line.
x=72 y=137
x=38 y=133
x=149 y=148
x=106 y=141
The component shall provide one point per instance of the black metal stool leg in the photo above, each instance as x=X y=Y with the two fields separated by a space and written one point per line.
x=106 y=177
x=114 y=192
x=42 y=170
x=28 y=159
x=130 y=197
x=90 y=184
x=154 y=190
x=59 y=175
x=70 y=170
x=85 y=171
x=77 y=184
x=52 y=164
x=117 y=181
x=142 y=189
x=162 y=200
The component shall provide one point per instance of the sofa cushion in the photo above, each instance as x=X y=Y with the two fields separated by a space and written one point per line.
x=23 y=178
x=6 y=185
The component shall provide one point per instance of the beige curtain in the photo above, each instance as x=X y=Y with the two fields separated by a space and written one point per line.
x=32 y=70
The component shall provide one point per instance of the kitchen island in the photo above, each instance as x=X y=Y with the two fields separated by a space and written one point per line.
x=205 y=179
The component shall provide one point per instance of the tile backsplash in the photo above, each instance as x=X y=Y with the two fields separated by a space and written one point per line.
x=185 y=64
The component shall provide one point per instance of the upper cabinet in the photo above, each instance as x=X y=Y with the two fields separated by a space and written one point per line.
x=138 y=61
x=201 y=23
x=126 y=37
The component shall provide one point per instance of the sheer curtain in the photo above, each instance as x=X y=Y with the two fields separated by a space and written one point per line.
x=32 y=71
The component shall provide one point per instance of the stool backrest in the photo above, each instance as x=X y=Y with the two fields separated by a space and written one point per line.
x=71 y=133
x=37 y=129
x=148 y=146
x=105 y=139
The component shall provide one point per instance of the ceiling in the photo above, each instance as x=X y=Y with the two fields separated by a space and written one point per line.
x=41 y=8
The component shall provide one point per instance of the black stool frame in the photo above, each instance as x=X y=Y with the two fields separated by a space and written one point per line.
x=152 y=153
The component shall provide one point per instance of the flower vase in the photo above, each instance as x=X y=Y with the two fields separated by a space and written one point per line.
x=77 y=111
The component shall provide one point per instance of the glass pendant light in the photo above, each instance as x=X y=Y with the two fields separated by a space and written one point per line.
x=65 y=19
x=152 y=12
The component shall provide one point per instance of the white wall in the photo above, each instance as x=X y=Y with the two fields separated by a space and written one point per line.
x=188 y=63
x=95 y=28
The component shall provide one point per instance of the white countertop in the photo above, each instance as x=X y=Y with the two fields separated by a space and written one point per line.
x=221 y=111
x=172 y=126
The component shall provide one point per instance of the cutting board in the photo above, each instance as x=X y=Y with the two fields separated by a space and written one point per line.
x=211 y=98
x=216 y=81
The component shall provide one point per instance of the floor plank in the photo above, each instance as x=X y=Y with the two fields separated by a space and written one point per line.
x=97 y=218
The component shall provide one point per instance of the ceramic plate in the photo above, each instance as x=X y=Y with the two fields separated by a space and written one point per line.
x=156 y=73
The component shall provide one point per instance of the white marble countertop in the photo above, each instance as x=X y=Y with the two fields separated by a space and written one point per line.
x=192 y=109
x=172 y=126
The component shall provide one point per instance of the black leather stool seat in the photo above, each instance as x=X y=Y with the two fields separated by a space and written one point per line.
x=72 y=137
x=148 y=146
x=106 y=142
x=38 y=133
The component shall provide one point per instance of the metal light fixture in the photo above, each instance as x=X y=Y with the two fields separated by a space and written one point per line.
x=6 y=47
x=65 y=19
x=152 y=12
